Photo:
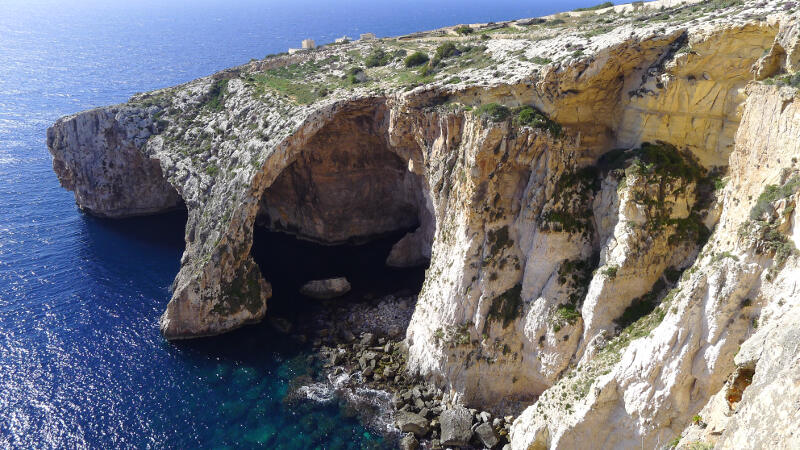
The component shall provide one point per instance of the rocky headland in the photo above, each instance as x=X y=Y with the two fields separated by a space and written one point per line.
x=606 y=201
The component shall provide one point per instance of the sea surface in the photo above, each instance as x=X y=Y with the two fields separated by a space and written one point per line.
x=82 y=363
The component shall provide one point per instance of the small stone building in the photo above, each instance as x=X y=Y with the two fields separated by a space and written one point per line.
x=308 y=44
x=368 y=36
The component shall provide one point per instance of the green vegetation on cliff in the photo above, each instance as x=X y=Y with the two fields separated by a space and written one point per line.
x=763 y=226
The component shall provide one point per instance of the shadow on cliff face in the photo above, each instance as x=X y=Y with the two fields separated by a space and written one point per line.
x=288 y=262
x=128 y=249
x=348 y=184
x=349 y=204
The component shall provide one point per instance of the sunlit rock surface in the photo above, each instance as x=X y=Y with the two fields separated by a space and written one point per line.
x=606 y=201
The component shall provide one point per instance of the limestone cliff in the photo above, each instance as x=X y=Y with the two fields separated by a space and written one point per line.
x=607 y=201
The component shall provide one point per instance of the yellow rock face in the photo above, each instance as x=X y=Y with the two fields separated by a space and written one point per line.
x=696 y=101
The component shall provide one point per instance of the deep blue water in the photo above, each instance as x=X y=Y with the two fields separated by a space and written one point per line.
x=81 y=361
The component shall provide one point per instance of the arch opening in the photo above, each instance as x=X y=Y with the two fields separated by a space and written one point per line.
x=348 y=205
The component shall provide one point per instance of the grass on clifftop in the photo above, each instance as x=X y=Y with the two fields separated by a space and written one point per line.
x=303 y=82
x=522 y=116
x=595 y=7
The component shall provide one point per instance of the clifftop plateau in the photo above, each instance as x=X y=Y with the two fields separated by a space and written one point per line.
x=606 y=199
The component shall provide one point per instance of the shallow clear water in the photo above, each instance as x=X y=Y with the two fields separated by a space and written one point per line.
x=81 y=360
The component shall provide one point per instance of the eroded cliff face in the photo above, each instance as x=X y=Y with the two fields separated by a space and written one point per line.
x=347 y=184
x=701 y=349
x=585 y=203
x=97 y=155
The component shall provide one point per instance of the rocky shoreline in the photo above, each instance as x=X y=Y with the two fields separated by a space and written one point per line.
x=607 y=200
x=370 y=356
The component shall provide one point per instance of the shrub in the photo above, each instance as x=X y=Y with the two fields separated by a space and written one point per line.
x=785 y=80
x=610 y=271
x=356 y=75
x=463 y=30
x=416 y=59
x=532 y=117
x=446 y=50
x=568 y=313
x=216 y=96
x=540 y=60
x=377 y=58
x=773 y=193
x=763 y=224
x=494 y=112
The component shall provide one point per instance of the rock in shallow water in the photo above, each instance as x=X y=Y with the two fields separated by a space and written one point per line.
x=325 y=289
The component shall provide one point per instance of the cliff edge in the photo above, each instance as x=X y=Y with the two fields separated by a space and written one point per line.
x=606 y=198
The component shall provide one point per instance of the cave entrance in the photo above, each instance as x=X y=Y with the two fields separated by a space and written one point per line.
x=347 y=205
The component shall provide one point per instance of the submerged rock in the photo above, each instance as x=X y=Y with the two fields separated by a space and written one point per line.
x=280 y=324
x=325 y=289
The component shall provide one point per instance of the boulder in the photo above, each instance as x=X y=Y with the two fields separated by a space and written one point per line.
x=367 y=339
x=486 y=435
x=456 y=426
x=409 y=422
x=325 y=289
x=410 y=251
x=409 y=442
x=337 y=358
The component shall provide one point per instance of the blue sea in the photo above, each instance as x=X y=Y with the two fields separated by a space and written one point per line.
x=82 y=363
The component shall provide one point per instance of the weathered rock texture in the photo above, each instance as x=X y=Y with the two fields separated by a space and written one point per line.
x=97 y=155
x=328 y=288
x=601 y=257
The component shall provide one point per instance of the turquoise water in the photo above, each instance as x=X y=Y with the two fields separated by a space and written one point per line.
x=81 y=361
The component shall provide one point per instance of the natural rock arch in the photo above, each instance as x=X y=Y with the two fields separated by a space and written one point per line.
x=348 y=183
x=350 y=139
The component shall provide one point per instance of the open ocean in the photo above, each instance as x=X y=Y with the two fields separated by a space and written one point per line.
x=82 y=363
